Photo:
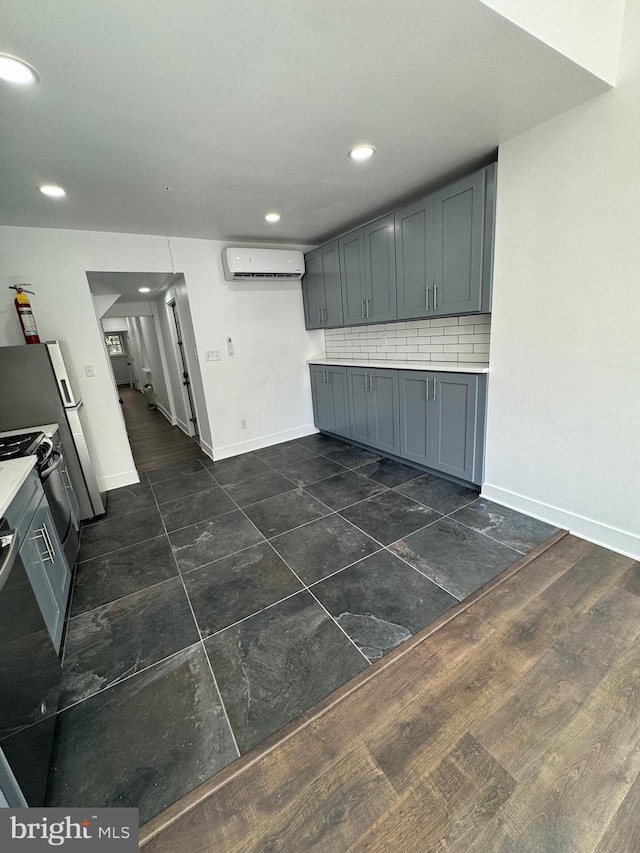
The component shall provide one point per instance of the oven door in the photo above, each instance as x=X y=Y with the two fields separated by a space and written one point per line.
x=58 y=498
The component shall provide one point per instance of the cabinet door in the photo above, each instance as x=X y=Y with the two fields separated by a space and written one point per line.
x=321 y=416
x=322 y=287
x=416 y=404
x=332 y=314
x=354 y=293
x=313 y=290
x=338 y=400
x=47 y=569
x=454 y=424
x=380 y=269
x=358 y=389
x=458 y=226
x=414 y=259
x=383 y=415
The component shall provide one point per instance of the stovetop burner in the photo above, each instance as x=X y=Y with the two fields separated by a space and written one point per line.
x=23 y=444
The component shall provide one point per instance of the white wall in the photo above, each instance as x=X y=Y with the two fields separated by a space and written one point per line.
x=587 y=31
x=267 y=381
x=563 y=436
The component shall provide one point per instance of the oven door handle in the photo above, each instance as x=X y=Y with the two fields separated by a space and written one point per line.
x=58 y=459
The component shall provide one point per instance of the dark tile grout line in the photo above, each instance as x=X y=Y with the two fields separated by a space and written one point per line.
x=204 y=650
x=299 y=579
x=305 y=587
x=122 y=597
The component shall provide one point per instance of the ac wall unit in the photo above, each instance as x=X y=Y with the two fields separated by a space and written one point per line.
x=262 y=264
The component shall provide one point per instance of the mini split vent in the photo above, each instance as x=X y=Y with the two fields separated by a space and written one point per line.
x=262 y=264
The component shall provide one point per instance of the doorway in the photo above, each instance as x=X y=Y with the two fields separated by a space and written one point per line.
x=151 y=350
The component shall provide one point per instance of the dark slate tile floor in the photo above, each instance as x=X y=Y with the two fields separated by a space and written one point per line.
x=218 y=601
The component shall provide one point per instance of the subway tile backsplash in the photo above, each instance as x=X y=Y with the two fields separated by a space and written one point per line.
x=439 y=339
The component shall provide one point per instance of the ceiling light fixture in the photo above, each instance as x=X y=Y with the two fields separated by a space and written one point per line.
x=52 y=190
x=16 y=71
x=272 y=217
x=144 y=290
x=362 y=152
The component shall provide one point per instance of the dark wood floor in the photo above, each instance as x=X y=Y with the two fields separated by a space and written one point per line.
x=155 y=443
x=514 y=726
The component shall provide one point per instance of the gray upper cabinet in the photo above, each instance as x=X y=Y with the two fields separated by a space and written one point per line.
x=330 y=402
x=431 y=258
x=380 y=270
x=444 y=250
x=458 y=227
x=373 y=401
x=414 y=259
x=322 y=288
x=354 y=291
x=368 y=269
x=442 y=421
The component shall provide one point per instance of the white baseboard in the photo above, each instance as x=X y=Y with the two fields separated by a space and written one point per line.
x=621 y=541
x=264 y=441
x=182 y=426
x=166 y=413
x=115 y=481
x=208 y=449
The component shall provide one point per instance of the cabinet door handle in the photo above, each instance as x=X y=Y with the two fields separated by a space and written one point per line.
x=427 y=289
x=435 y=298
x=371 y=382
x=50 y=548
x=427 y=397
x=435 y=388
x=364 y=309
x=366 y=382
x=368 y=301
x=41 y=535
x=324 y=314
x=319 y=314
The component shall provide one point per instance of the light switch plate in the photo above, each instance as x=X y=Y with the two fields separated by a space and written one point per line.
x=89 y=370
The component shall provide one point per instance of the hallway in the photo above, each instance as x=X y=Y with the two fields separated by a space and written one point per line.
x=154 y=442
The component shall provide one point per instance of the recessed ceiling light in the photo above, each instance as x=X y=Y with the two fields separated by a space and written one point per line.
x=16 y=71
x=272 y=217
x=144 y=290
x=362 y=152
x=53 y=191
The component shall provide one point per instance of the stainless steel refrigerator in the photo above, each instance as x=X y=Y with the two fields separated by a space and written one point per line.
x=36 y=388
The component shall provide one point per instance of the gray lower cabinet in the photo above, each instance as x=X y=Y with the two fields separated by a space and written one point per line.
x=433 y=418
x=322 y=288
x=442 y=421
x=42 y=554
x=373 y=404
x=330 y=401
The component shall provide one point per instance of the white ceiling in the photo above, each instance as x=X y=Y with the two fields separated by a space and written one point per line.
x=127 y=283
x=245 y=107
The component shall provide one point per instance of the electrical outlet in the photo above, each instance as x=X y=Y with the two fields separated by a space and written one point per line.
x=89 y=370
x=243 y=424
x=212 y=355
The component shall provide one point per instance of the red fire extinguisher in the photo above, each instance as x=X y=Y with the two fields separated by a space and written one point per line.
x=25 y=314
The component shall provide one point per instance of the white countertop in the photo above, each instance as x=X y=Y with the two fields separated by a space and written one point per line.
x=12 y=475
x=47 y=429
x=447 y=366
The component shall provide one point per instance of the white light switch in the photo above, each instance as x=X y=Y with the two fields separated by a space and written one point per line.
x=212 y=355
x=230 y=346
x=88 y=370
